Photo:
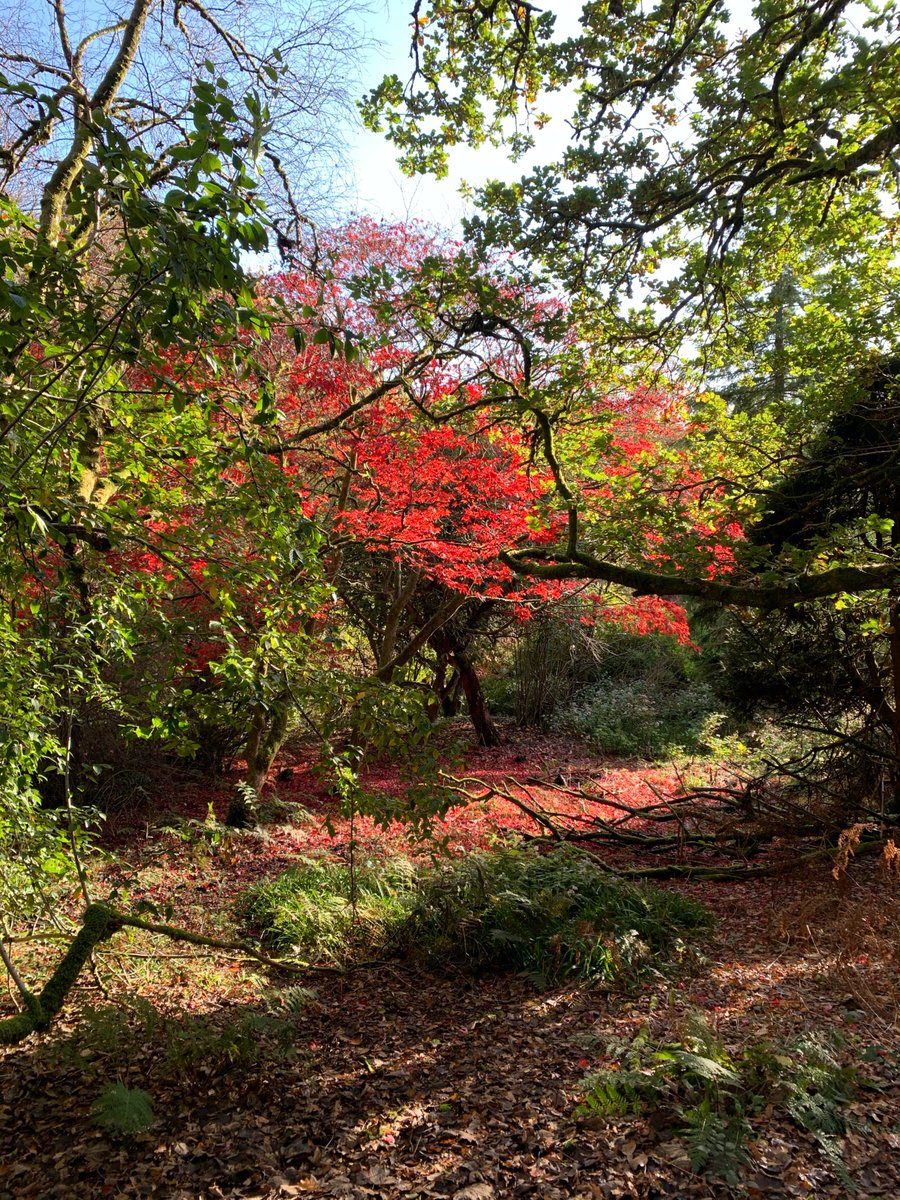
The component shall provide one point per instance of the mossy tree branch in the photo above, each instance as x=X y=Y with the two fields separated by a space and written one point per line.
x=70 y=166
x=534 y=563
x=99 y=923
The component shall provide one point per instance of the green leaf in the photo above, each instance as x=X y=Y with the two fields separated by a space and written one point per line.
x=123 y=1110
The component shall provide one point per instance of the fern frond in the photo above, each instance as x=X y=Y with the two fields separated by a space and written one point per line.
x=705 y=1067
x=123 y=1110
x=293 y=999
x=715 y=1144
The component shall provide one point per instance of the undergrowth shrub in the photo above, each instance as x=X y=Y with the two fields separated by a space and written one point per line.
x=552 y=916
x=709 y=1097
x=634 y=695
x=640 y=718
x=552 y=657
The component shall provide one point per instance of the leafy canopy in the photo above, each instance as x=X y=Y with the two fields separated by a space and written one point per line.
x=708 y=149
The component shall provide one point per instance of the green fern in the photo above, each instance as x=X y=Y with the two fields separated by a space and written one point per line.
x=214 y=1046
x=294 y=999
x=833 y=1151
x=702 y=1038
x=710 y=1094
x=716 y=1143
x=123 y=1110
x=816 y=1113
x=815 y=1089
x=619 y=1093
x=701 y=1066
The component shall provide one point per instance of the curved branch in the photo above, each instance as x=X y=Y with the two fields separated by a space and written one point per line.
x=763 y=596
x=61 y=182
x=99 y=923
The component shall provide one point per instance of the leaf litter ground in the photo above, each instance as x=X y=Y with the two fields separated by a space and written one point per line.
x=392 y=1081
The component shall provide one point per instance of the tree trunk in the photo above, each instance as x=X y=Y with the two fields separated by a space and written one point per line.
x=448 y=647
x=258 y=761
x=450 y=700
x=446 y=691
x=268 y=728
x=488 y=734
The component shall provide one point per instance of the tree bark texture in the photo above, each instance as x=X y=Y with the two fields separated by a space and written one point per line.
x=451 y=650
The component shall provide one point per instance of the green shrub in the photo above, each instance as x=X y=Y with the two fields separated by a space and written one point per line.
x=552 y=658
x=552 y=916
x=636 y=718
x=501 y=694
x=629 y=694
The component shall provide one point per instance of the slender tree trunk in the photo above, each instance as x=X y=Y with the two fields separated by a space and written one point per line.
x=268 y=727
x=99 y=923
x=450 y=699
x=783 y=293
x=446 y=691
x=258 y=761
x=447 y=646
x=487 y=731
x=893 y=507
x=56 y=785
x=399 y=592
x=439 y=687
x=59 y=186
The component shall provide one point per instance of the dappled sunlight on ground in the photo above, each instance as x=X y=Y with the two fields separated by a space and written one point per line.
x=394 y=1081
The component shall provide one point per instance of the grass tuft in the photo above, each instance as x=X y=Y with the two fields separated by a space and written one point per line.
x=322 y=911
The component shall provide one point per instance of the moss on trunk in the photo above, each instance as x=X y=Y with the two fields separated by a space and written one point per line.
x=99 y=923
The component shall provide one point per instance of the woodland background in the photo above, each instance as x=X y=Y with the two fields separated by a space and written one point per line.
x=449 y=705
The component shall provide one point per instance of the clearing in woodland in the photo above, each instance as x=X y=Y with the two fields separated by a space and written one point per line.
x=757 y=1056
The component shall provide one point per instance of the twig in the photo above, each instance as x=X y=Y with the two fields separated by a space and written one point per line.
x=677 y=871
x=13 y=973
x=70 y=812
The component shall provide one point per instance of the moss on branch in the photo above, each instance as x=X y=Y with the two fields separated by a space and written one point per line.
x=100 y=922
x=543 y=564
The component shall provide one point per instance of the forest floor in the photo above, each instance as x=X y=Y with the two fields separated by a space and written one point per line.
x=392 y=1081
